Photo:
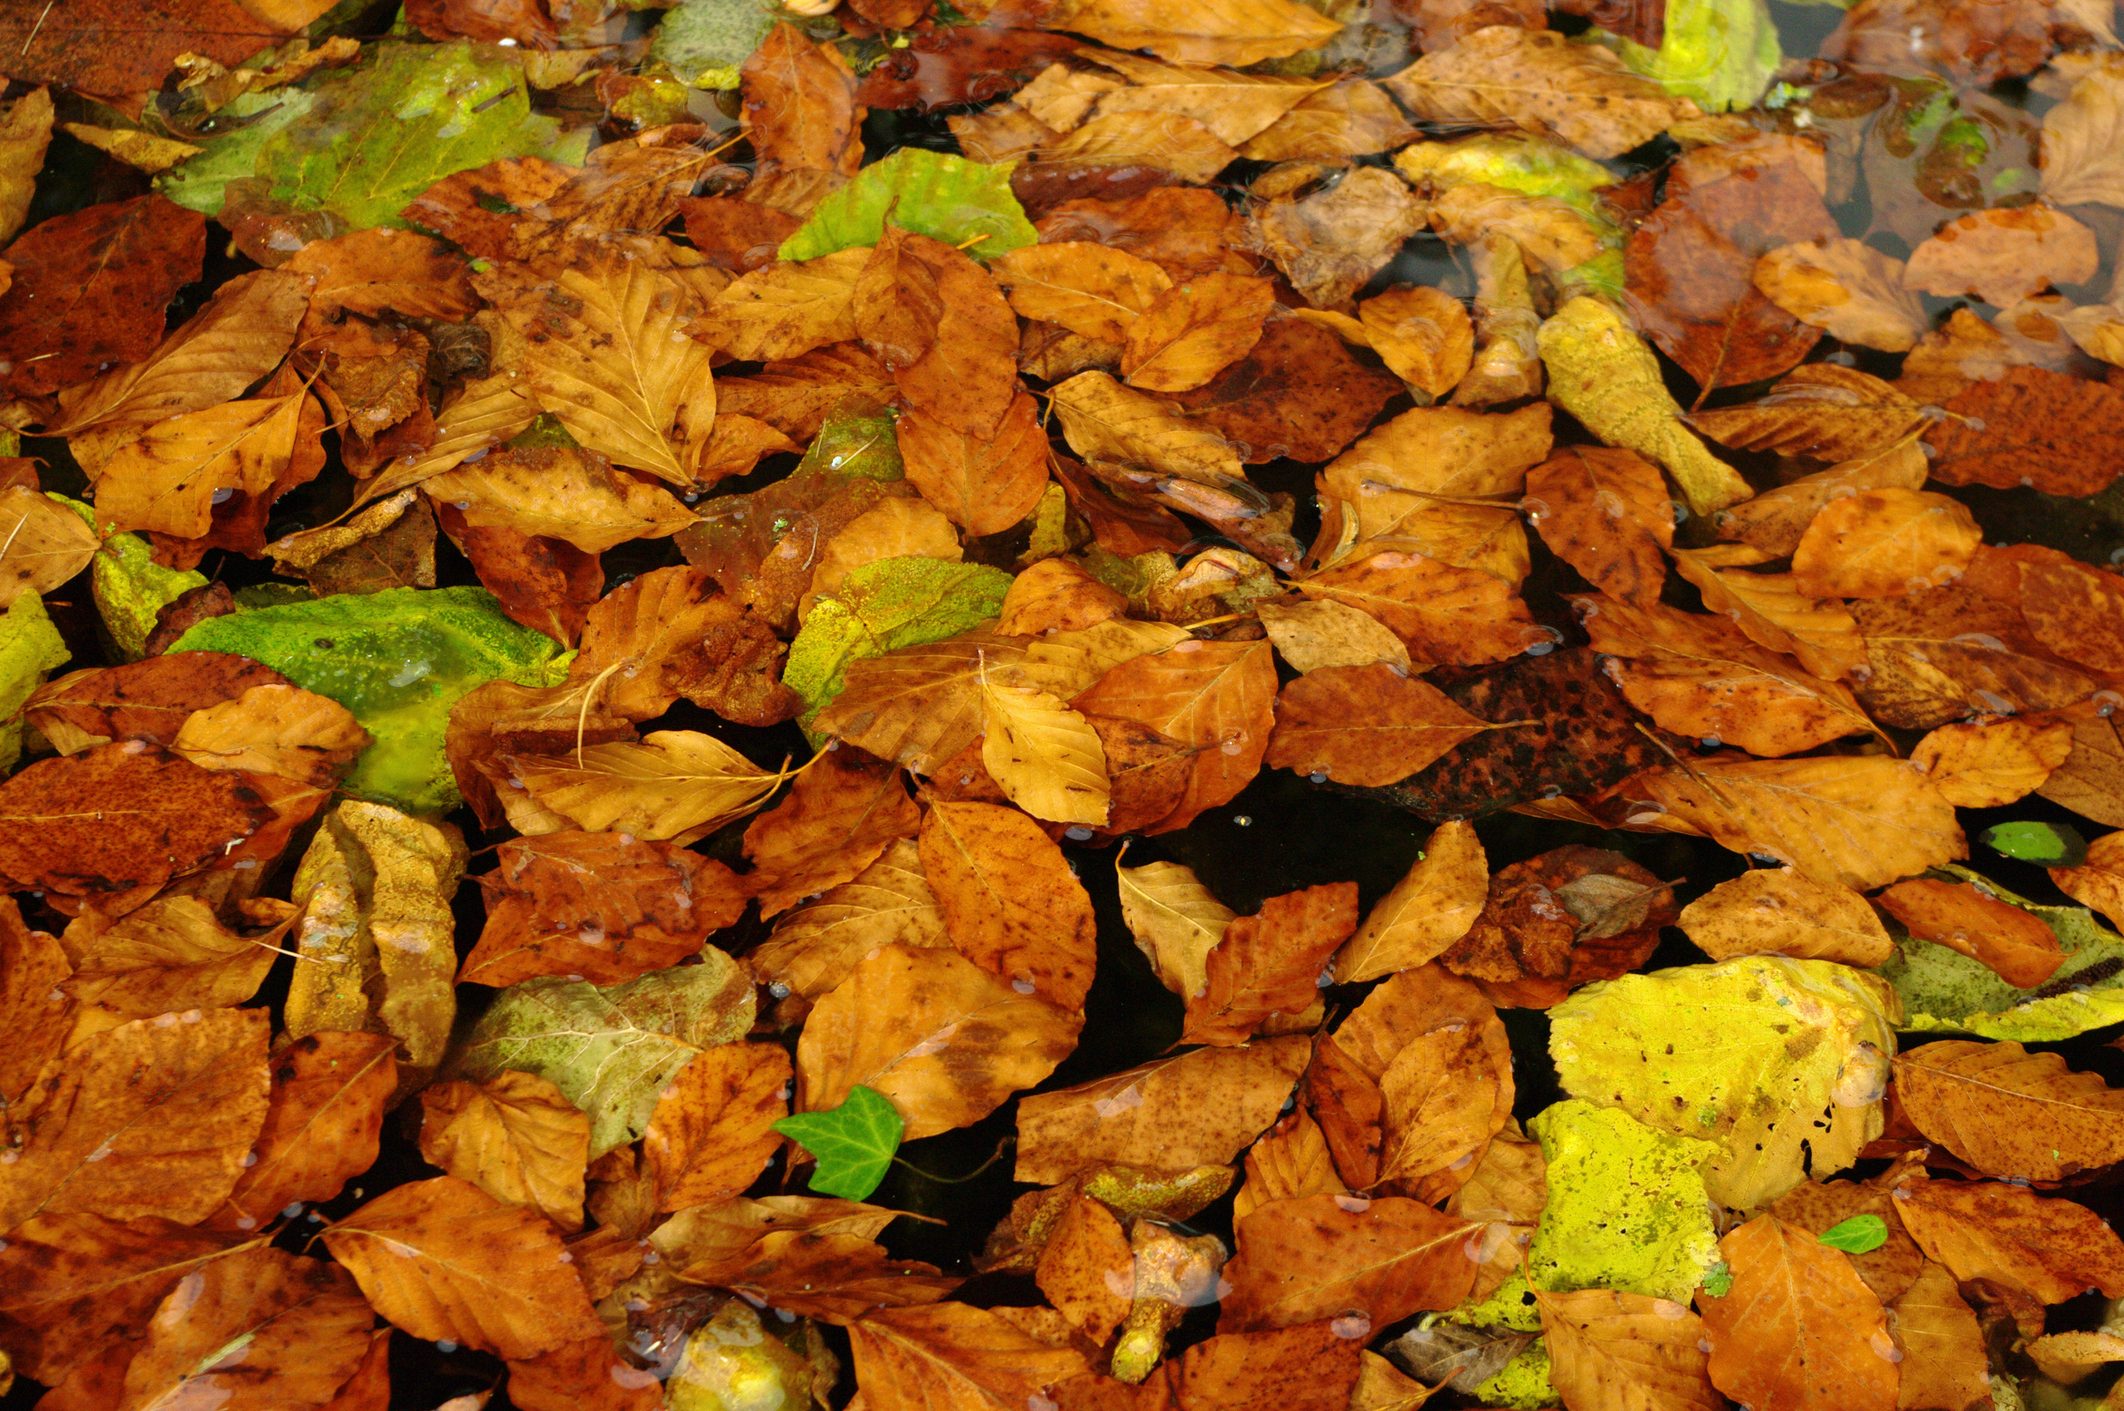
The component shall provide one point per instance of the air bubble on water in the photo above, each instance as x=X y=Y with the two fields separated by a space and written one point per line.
x=778 y=990
x=1667 y=1308
x=1232 y=746
x=1023 y=986
x=1034 y=1401
x=1533 y=508
x=1190 y=645
x=1884 y=1346
x=100 y=1152
x=445 y=1346
x=591 y=935
x=651 y=1256
x=222 y=495
x=1325 y=978
x=1353 y=1327
x=1352 y=1204
x=250 y=1159
x=1318 y=776
x=2106 y=702
x=1993 y=702
x=164 y=1021
x=1242 y=820
x=292 y=1209
x=1713 y=742
x=1077 y=833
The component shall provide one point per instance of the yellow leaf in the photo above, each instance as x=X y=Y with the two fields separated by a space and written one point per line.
x=676 y=785
x=1782 y=911
x=42 y=543
x=787 y=308
x=1084 y=287
x=1432 y=906
x=1234 y=33
x=1424 y=335
x=171 y=476
x=1045 y=756
x=514 y=1136
x=1313 y=634
x=1175 y=920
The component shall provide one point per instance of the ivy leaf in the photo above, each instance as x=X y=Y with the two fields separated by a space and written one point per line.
x=360 y=143
x=853 y=1143
x=1861 y=1234
x=930 y=193
x=2047 y=844
x=399 y=659
x=883 y=606
x=1718 y=1280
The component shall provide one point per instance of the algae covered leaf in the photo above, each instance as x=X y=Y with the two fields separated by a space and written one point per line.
x=398 y=659
x=882 y=606
x=1781 y=1063
x=29 y=647
x=930 y=193
x=613 y=1049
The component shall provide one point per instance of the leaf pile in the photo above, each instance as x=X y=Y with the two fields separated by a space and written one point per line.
x=720 y=708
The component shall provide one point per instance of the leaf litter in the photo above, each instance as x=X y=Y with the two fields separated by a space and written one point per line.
x=1061 y=704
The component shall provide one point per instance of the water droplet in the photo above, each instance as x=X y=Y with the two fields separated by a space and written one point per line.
x=1354 y=1327
x=1352 y=1204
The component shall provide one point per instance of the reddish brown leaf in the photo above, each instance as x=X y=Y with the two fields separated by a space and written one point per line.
x=1323 y=1256
x=1268 y=965
x=89 y=288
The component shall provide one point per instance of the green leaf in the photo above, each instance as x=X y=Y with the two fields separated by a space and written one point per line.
x=852 y=1144
x=855 y=446
x=610 y=1050
x=29 y=647
x=360 y=143
x=704 y=41
x=1944 y=991
x=930 y=193
x=2049 y=844
x=882 y=606
x=1781 y=1063
x=1522 y=1383
x=1718 y=1281
x=130 y=589
x=201 y=183
x=399 y=660
x=1719 y=53
x=1861 y=1234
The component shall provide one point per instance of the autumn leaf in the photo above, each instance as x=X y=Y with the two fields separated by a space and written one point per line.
x=1267 y=965
x=1606 y=513
x=2003 y=256
x=852 y=1144
x=1883 y=544
x=953 y=1354
x=1047 y=758
x=1845 y=288
x=1782 y=911
x=1213 y=697
x=2047 y=1249
x=1533 y=81
x=2013 y=943
x=2008 y=1112
x=1365 y=725
x=88 y=289
x=515 y=1136
x=1431 y=907
x=442 y=1259
x=1315 y=1257
x=1195 y=330
x=1830 y=1344
x=711 y=1133
x=1611 y=1349
x=323 y=1125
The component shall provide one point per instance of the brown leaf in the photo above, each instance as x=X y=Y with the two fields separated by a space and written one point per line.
x=712 y=1131
x=1087 y=1269
x=1310 y=635
x=984 y=483
x=33 y=1007
x=1311 y=1367
x=953 y=1357
x=1010 y=902
x=443 y=1259
x=1775 y=520
x=1847 y=289
x=171 y=954
x=384 y=271
x=599 y=905
x=1606 y=513
x=940 y=1037
x=42 y=543
x=1782 y=911
x=1195 y=1109
x=75 y=1287
x=1691 y=262
x=260 y=1329
x=842 y=812
x=2015 y=944
x=1323 y=1256
x=322 y=1125
x=2061 y=434
x=274 y=729
x=1330 y=244
x=1365 y=725
x=1698 y=675
x=2049 y=1250
x=2009 y=1112
x=1267 y=966
x=1857 y=820
x=1445 y=614
x=785 y=309
x=1945 y=1362
x=1990 y=763
x=2003 y=255
x=1798 y=1328
x=1432 y=906
x=1884 y=544
x=918 y=706
x=835 y=1278
x=1818 y=1206
x=1215 y=697
x=167 y=1111
x=1951 y=653
x=1442 y=481
x=2098 y=881
x=1977 y=42
x=965 y=376
x=1298 y=394
x=1228 y=32
x=560 y=493
x=1290 y=1159
x=815 y=946
x=1195 y=330
x=1086 y=287
x=1534 y=81
x=515 y=1136
x=800 y=108
x=1822 y=410
x=1609 y=1351
x=1444 y=1096
x=89 y=289
x=1559 y=920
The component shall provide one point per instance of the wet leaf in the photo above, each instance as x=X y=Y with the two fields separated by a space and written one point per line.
x=883 y=606
x=1319 y=1256
x=2003 y=256
x=515 y=1136
x=108 y=270
x=1830 y=1343
x=930 y=193
x=1781 y=911
x=712 y=1132
x=610 y=1051
x=442 y=1259
x=1365 y=725
x=852 y=1144
x=1609 y=1350
x=954 y=1355
x=1745 y=1094
x=323 y=1124
x=2007 y=433
x=2050 y=1250
x=672 y=785
x=30 y=646
x=2015 y=944
x=1845 y=288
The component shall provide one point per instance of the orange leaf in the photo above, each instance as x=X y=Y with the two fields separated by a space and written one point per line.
x=1445 y=614
x=800 y=107
x=712 y=1131
x=1431 y=907
x=1268 y=965
x=1611 y=1351
x=2017 y=945
x=2049 y=1250
x=514 y=1136
x=1885 y=544
x=1423 y=334
x=1217 y=697
x=1323 y=1256
x=1365 y=725
x=1945 y=1360
x=1990 y=763
x=983 y=483
x=1781 y=911
x=322 y=1124
x=1087 y=1269
x=843 y=810
x=443 y=1259
x=2009 y=1112
x=1195 y=330
x=1797 y=1329
x=954 y=1357
x=1010 y=902
x=1605 y=512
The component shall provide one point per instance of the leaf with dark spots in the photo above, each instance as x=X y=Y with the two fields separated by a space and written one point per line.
x=89 y=289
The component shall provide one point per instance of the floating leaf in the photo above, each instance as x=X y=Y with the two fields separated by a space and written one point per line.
x=853 y=1144
x=2046 y=844
x=610 y=1051
x=29 y=647
x=927 y=192
x=883 y=606
x=1861 y=1234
